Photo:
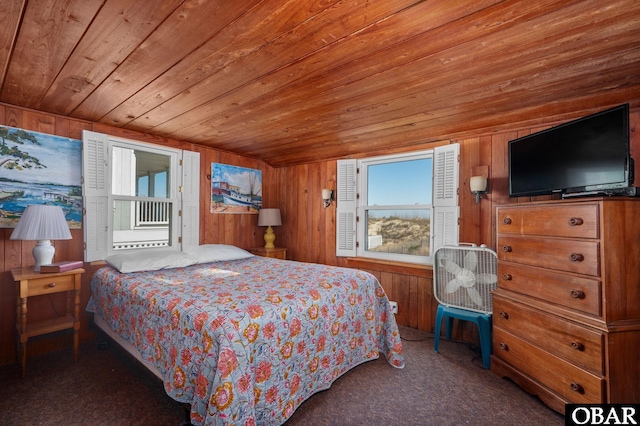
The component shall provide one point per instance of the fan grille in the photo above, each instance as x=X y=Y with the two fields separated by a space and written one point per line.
x=472 y=286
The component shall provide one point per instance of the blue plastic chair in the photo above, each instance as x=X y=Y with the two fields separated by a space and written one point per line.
x=483 y=321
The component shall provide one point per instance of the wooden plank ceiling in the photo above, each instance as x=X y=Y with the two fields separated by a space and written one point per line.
x=297 y=81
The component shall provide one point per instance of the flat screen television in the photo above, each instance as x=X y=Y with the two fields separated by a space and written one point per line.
x=586 y=156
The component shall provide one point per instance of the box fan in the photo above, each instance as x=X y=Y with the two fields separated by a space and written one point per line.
x=463 y=278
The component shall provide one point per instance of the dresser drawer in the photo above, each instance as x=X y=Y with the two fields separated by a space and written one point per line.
x=274 y=253
x=50 y=284
x=575 y=292
x=556 y=221
x=579 y=256
x=580 y=345
x=560 y=376
x=279 y=255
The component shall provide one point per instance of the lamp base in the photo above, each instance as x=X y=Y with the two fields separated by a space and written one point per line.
x=269 y=238
x=43 y=253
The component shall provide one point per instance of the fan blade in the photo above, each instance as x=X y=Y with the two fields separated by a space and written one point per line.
x=475 y=296
x=471 y=261
x=450 y=266
x=444 y=255
x=466 y=278
x=487 y=278
x=452 y=286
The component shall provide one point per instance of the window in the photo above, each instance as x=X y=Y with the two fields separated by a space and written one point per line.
x=137 y=196
x=398 y=207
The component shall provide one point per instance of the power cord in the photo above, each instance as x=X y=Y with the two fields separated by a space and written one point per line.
x=53 y=307
x=429 y=336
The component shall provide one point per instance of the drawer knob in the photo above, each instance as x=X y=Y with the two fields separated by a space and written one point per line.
x=504 y=315
x=51 y=285
x=506 y=221
x=577 y=294
x=506 y=249
x=577 y=387
x=575 y=221
x=577 y=346
x=576 y=257
x=504 y=346
x=507 y=277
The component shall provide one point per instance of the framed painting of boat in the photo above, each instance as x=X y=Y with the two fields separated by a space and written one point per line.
x=235 y=189
x=37 y=168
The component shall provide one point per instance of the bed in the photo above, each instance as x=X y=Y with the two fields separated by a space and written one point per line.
x=243 y=339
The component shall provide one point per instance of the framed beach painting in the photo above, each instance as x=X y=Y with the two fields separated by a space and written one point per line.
x=235 y=189
x=37 y=168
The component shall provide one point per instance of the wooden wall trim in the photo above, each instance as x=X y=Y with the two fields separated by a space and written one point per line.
x=393 y=267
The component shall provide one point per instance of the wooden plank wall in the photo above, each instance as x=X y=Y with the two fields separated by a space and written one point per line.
x=308 y=229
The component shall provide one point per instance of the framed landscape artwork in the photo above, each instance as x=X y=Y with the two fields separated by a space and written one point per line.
x=235 y=189
x=37 y=168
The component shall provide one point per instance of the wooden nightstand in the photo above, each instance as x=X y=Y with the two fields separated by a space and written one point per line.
x=31 y=284
x=276 y=252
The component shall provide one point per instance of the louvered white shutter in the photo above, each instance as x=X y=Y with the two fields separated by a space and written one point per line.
x=190 y=219
x=347 y=208
x=446 y=165
x=95 y=191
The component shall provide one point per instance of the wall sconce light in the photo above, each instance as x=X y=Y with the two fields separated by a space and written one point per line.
x=327 y=196
x=479 y=185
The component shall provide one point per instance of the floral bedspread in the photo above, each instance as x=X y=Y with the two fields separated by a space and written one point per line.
x=247 y=341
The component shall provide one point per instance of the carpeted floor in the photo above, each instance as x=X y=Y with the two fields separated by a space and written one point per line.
x=105 y=387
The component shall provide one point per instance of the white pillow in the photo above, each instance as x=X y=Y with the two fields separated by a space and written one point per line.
x=217 y=253
x=149 y=260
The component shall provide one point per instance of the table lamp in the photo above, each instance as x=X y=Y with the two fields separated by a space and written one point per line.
x=42 y=223
x=269 y=218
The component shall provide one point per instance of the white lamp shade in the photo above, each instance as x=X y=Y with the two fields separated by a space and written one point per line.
x=326 y=194
x=41 y=222
x=269 y=217
x=478 y=184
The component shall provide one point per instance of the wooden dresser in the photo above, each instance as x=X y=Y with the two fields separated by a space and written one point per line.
x=566 y=314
